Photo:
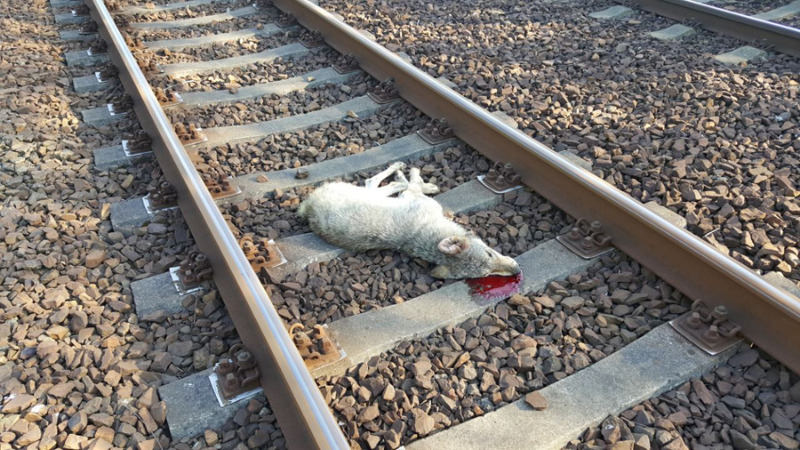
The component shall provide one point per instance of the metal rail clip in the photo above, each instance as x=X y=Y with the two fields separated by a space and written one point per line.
x=586 y=240
x=122 y=21
x=89 y=28
x=237 y=377
x=709 y=329
x=80 y=10
x=262 y=253
x=189 y=276
x=137 y=143
x=436 y=131
x=220 y=186
x=133 y=43
x=167 y=97
x=285 y=20
x=162 y=196
x=97 y=46
x=120 y=105
x=385 y=92
x=346 y=64
x=318 y=349
x=501 y=178
x=106 y=74
x=312 y=39
x=191 y=135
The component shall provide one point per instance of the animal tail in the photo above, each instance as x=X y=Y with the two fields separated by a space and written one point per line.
x=304 y=209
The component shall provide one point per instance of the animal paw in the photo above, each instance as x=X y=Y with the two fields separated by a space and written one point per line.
x=399 y=165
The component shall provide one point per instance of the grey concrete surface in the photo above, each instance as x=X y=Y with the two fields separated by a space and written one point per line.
x=156 y=293
x=170 y=6
x=672 y=33
x=100 y=116
x=128 y=215
x=192 y=406
x=211 y=39
x=741 y=55
x=69 y=18
x=106 y=158
x=656 y=362
x=378 y=330
x=178 y=70
x=88 y=83
x=76 y=35
x=362 y=106
x=614 y=12
x=312 y=79
x=81 y=58
x=201 y=20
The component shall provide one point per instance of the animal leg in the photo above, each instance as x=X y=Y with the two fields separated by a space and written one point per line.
x=392 y=188
x=374 y=182
x=416 y=180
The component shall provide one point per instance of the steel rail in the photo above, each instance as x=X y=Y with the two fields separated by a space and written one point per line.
x=781 y=37
x=770 y=317
x=302 y=413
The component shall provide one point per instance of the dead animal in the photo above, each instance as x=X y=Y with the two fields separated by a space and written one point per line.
x=366 y=218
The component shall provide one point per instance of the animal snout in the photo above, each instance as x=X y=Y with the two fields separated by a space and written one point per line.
x=507 y=267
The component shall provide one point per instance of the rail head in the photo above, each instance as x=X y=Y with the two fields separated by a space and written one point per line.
x=769 y=316
x=775 y=35
x=305 y=418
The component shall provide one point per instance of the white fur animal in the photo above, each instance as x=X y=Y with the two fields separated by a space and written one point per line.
x=365 y=218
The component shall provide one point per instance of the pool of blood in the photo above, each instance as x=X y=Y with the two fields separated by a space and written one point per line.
x=494 y=287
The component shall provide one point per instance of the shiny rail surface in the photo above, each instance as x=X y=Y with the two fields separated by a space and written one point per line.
x=305 y=419
x=769 y=316
x=762 y=32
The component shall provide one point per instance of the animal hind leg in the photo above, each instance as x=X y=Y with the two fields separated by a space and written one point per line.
x=375 y=182
x=416 y=180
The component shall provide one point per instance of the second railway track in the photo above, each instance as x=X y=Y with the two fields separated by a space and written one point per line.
x=275 y=118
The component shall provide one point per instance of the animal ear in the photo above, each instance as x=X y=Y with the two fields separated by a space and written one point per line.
x=453 y=245
x=440 y=272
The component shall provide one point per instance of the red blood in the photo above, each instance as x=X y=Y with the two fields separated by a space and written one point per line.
x=494 y=286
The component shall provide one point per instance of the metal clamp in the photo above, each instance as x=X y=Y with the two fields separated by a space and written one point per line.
x=385 y=92
x=236 y=377
x=88 y=28
x=162 y=196
x=317 y=349
x=312 y=39
x=195 y=270
x=167 y=97
x=285 y=20
x=97 y=46
x=262 y=253
x=710 y=329
x=137 y=143
x=134 y=42
x=436 y=131
x=220 y=185
x=106 y=74
x=191 y=135
x=346 y=64
x=501 y=178
x=586 y=240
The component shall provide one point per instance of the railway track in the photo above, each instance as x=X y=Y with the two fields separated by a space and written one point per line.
x=370 y=319
x=762 y=29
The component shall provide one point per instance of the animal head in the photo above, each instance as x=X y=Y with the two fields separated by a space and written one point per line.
x=469 y=257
